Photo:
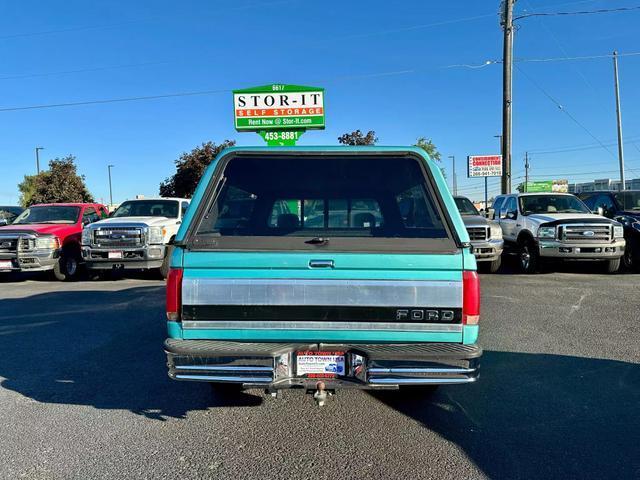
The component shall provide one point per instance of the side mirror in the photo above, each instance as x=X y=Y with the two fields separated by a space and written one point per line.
x=503 y=214
x=599 y=211
x=86 y=221
x=511 y=215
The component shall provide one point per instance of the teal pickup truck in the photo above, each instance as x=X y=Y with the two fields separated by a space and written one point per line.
x=323 y=268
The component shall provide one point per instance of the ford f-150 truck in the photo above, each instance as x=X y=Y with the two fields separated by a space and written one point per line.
x=485 y=235
x=46 y=237
x=557 y=226
x=137 y=236
x=343 y=267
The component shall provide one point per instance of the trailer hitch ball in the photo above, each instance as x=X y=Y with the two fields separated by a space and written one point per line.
x=321 y=394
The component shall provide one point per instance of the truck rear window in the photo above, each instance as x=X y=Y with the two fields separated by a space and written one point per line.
x=310 y=197
x=329 y=197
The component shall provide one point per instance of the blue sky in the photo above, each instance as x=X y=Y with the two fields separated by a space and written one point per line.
x=392 y=67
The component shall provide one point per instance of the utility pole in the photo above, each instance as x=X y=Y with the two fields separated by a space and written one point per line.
x=507 y=70
x=526 y=171
x=454 y=181
x=109 y=167
x=619 y=119
x=38 y=159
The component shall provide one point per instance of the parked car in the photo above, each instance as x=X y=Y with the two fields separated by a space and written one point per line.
x=46 y=237
x=557 y=226
x=387 y=297
x=138 y=235
x=485 y=235
x=623 y=207
x=8 y=214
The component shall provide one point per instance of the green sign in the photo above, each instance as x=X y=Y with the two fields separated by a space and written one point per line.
x=279 y=113
x=557 y=186
x=541 y=186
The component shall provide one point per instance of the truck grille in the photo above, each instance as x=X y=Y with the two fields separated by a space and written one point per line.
x=121 y=237
x=8 y=244
x=477 y=233
x=15 y=243
x=585 y=233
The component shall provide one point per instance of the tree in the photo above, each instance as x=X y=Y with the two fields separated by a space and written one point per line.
x=189 y=169
x=61 y=183
x=27 y=189
x=428 y=146
x=357 y=138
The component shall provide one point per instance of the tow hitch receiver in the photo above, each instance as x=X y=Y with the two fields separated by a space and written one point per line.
x=320 y=395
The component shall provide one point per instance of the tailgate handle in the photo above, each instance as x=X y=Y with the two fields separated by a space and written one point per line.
x=321 y=264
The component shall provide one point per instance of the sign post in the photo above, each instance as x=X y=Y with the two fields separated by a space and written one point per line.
x=484 y=166
x=280 y=114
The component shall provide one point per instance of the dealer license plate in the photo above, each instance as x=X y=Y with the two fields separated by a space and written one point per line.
x=320 y=364
x=115 y=254
x=5 y=264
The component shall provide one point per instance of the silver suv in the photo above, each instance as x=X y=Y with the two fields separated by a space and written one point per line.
x=557 y=226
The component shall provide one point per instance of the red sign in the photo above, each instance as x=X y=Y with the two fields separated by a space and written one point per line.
x=484 y=166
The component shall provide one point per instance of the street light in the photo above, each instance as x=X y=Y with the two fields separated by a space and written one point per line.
x=455 y=183
x=109 y=167
x=38 y=159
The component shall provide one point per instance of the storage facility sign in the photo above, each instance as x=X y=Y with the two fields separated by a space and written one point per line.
x=484 y=166
x=279 y=113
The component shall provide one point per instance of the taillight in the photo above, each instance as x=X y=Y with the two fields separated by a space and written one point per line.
x=470 y=298
x=174 y=293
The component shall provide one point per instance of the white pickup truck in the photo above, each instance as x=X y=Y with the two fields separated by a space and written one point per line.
x=137 y=235
x=556 y=226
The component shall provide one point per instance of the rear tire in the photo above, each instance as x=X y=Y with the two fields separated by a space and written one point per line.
x=528 y=258
x=166 y=263
x=613 y=265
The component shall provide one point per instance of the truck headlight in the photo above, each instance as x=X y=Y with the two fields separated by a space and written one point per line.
x=618 y=231
x=547 y=232
x=47 y=243
x=495 y=231
x=156 y=235
x=86 y=236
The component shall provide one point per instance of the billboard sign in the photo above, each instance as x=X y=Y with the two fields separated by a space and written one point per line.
x=484 y=166
x=555 y=186
x=278 y=107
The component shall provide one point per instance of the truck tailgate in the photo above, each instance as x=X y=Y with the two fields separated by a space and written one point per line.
x=322 y=296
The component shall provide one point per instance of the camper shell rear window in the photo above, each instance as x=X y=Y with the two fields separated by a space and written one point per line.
x=337 y=202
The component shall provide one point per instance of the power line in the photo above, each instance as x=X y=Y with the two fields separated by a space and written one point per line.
x=114 y=100
x=579 y=148
x=81 y=70
x=133 y=22
x=564 y=110
x=568 y=58
x=583 y=12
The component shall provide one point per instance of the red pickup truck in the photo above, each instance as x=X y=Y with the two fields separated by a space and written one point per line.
x=46 y=237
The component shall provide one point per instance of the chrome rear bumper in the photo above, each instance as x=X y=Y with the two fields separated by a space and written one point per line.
x=273 y=365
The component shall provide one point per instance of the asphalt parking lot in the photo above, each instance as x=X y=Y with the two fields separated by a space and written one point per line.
x=84 y=394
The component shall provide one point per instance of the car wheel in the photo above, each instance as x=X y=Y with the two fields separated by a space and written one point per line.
x=495 y=265
x=67 y=266
x=166 y=263
x=528 y=256
x=613 y=265
x=627 y=258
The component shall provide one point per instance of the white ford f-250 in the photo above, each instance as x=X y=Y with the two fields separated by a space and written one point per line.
x=557 y=226
x=136 y=236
